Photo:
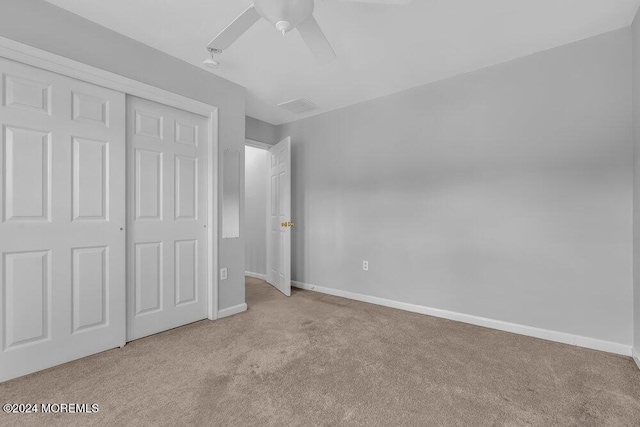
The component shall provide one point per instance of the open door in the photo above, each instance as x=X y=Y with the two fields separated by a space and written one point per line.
x=279 y=217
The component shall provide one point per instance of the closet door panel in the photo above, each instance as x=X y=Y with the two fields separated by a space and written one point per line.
x=62 y=237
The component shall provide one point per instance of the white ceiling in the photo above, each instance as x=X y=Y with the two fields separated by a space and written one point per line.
x=381 y=49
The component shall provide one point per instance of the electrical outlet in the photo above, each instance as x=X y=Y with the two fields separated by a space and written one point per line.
x=365 y=265
x=223 y=273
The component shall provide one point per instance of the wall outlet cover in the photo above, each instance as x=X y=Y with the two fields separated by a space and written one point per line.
x=223 y=274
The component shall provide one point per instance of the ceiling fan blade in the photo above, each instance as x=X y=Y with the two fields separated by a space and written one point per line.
x=234 y=30
x=392 y=2
x=316 y=41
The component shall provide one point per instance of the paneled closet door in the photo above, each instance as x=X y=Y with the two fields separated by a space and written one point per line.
x=167 y=237
x=62 y=218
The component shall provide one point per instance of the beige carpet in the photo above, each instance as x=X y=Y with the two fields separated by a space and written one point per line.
x=314 y=359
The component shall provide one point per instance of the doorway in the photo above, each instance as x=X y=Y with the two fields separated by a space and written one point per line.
x=255 y=196
x=268 y=213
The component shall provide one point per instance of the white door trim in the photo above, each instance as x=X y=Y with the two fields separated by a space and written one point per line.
x=256 y=144
x=30 y=55
x=39 y=58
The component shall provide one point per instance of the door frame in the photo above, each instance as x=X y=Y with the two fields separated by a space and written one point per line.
x=48 y=61
x=256 y=144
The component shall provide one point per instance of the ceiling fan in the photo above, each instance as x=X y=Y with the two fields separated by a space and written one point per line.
x=285 y=15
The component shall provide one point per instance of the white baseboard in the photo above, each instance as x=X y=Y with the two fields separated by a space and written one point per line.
x=230 y=311
x=255 y=275
x=636 y=356
x=545 y=334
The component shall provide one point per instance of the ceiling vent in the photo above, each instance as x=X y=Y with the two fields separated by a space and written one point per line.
x=298 y=106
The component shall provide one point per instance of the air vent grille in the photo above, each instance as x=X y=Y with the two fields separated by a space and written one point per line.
x=298 y=106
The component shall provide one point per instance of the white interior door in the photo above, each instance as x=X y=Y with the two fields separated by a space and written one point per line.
x=167 y=217
x=279 y=217
x=62 y=196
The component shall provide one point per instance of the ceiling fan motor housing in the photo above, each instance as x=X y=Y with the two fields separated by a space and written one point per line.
x=285 y=15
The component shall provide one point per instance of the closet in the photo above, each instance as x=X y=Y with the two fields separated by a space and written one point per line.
x=105 y=204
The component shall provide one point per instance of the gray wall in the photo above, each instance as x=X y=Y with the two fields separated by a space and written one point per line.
x=42 y=25
x=260 y=131
x=255 y=196
x=504 y=193
x=636 y=185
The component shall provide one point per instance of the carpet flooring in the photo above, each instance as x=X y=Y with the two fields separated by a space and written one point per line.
x=315 y=359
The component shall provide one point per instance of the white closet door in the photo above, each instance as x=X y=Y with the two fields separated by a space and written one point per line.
x=62 y=196
x=167 y=216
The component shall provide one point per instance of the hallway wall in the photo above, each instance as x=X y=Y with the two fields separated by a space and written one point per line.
x=255 y=210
